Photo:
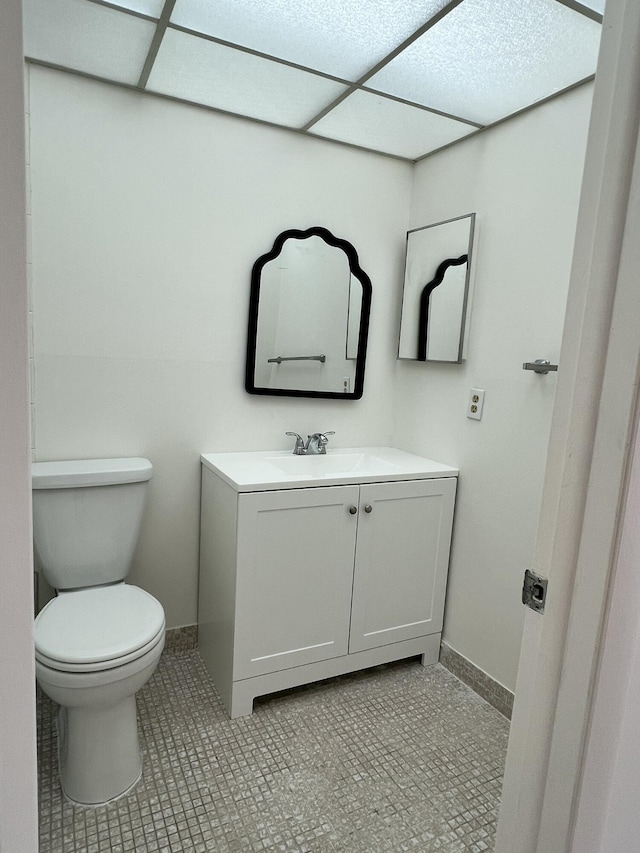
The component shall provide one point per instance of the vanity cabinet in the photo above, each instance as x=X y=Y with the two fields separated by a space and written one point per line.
x=299 y=584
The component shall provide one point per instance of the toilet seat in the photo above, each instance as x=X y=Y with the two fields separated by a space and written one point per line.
x=99 y=628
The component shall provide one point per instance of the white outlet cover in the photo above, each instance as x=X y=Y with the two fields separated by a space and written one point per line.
x=475 y=404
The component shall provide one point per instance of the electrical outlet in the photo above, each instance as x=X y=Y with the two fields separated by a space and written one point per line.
x=475 y=404
x=346 y=385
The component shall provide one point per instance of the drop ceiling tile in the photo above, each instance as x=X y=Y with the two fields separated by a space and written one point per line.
x=87 y=37
x=489 y=58
x=344 y=38
x=153 y=8
x=382 y=124
x=204 y=72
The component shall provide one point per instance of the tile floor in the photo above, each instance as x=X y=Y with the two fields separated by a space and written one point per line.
x=398 y=758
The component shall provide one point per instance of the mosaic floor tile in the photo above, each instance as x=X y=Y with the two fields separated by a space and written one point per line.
x=396 y=758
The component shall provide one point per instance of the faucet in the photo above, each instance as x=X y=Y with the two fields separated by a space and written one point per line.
x=316 y=443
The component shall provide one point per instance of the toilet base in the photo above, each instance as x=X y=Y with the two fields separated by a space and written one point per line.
x=99 y=758
x=98 y=754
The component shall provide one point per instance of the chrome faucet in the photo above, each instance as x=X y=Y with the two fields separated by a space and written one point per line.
x=316 y=443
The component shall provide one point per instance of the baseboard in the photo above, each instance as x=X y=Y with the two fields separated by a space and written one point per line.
x=493 y=692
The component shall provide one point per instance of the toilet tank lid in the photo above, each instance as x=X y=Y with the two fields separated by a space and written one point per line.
x=73 y=474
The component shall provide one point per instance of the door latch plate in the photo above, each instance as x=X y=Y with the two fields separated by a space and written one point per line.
x=534 y=591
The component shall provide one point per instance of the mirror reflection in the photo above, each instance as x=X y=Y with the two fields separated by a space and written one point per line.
x=308 y=318
x=435 y=298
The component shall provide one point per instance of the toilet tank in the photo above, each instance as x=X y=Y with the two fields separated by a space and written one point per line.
x=86 y=518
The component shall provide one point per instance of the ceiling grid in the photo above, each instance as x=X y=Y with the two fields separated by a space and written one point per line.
x=400 y=79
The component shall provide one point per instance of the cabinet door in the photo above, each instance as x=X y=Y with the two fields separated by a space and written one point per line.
x=402 y=560
x=295 y=573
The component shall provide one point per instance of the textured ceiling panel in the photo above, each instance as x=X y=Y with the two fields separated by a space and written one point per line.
x=153 y=8
x=380 y=123
x=87 y=37
x=489 y=58
x=208 y=73
x=344 y=38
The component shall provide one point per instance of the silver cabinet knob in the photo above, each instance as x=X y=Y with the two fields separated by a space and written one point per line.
x=353 y=510
x=368 y=508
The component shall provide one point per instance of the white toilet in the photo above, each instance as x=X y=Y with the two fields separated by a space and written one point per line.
x=99 y=640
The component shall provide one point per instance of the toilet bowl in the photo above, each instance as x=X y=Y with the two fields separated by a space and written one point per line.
x=95 y=648
x=97 y=644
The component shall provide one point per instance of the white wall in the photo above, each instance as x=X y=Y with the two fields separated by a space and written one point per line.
x=523 y=181
x=18 y=803
x=147 y=218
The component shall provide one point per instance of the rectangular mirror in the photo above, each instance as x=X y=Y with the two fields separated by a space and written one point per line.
x=435 y=298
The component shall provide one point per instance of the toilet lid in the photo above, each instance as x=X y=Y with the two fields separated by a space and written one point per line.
x=96 y=625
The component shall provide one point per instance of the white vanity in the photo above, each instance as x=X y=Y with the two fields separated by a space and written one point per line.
x=315 y=566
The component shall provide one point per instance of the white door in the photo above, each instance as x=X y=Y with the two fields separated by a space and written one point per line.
x=402 y=559
x=585 y=483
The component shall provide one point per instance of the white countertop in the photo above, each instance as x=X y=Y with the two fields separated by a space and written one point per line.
x=265 y=470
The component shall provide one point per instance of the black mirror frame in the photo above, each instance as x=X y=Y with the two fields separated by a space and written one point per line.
x=254 y=301
x=425 y=296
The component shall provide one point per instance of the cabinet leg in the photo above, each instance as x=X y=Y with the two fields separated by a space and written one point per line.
x=241 y=702
x=431 y=655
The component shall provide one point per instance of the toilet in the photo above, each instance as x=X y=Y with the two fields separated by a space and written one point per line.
x=99 y=640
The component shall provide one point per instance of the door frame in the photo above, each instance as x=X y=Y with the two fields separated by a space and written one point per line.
x=586 y=478
x=18 y=764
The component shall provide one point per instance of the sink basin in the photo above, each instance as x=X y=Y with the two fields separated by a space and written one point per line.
x=320 y=465
x=265 y=470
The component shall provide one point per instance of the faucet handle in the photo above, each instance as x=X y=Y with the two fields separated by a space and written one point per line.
x=317 y=443
x=299 y=447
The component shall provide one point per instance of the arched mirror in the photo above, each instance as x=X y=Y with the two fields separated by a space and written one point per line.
x=435 y=300
x=308 y=318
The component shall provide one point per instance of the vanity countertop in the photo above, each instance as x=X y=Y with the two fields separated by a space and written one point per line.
x=265 y=470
